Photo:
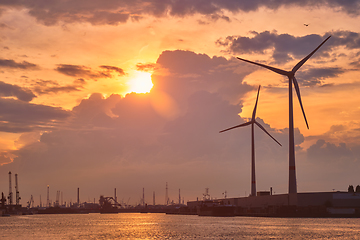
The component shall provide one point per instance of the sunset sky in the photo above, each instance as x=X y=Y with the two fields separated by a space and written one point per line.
x=131 y=94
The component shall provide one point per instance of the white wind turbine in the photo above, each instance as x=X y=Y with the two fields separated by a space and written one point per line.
x=292 y=79
x=252 y=122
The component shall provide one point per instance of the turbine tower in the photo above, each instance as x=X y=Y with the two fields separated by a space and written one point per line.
x=292 y=79
x=252 y=122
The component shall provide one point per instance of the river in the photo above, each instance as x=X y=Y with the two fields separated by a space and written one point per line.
x=162 y=226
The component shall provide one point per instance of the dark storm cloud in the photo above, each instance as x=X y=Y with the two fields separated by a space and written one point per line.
x=85 y=72
x=8 y=63
x=286 y=47
x=19 y=116
x=114 y=12
x=9 y=90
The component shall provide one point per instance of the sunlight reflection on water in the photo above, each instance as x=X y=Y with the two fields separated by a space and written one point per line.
x=162 y=226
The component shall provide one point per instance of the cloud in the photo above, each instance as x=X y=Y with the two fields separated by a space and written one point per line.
x=106 y=17
x=145 y=67
x=3 y=25
x=78 y=71
x=115 y=12
x=348 y=39
x=325 y=151
x=86 y=72
x=314 y=76
x=9 y=90
x=348 y=132
x=6 y=158
x=8 y=63
x=182 y=73
x=18 y=116
x=286 y=47
x=112 y=68
x=51 y=87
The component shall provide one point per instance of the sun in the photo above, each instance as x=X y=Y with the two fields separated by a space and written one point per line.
x=141 y=83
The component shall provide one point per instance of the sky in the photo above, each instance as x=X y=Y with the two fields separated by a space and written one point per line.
x=129 y=95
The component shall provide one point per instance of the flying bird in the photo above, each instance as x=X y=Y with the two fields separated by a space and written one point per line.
x=306 y=24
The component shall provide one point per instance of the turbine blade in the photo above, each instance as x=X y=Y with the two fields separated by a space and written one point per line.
x=296 y=85
x=254 y=111
x=297 y=66
x=241 y=125
x=259 y=125
x=277 y=70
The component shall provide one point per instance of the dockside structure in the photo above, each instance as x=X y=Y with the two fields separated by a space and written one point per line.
x=310 y=204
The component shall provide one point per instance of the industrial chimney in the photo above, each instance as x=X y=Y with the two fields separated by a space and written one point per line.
x=78 y=196
x=48 y=197
x=10 y=190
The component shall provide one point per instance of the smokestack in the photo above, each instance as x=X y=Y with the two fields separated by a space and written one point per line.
x=10 y=190
x=270 y=190
x=154 y=198
x=166 y=195
x=78 y=196
x=143 y=197
x=115 y=195
x=17 y=196
x=179 y=197
x=48 y=199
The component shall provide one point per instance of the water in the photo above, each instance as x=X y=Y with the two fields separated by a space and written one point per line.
x=162 y=226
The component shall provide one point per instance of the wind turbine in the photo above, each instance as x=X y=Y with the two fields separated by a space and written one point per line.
x=252 y=122
x=292 y=79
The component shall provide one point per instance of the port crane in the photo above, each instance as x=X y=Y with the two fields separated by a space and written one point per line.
x=30 y=202
x=108 y=204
